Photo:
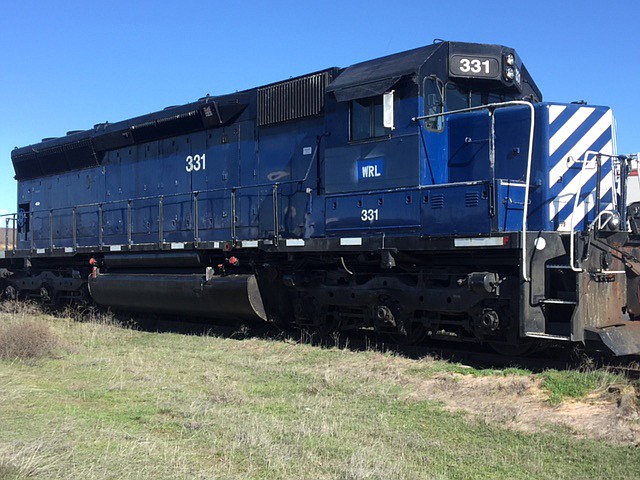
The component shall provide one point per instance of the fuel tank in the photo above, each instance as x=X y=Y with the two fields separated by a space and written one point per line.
x=231 y=297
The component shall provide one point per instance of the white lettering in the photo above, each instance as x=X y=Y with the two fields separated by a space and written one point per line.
x=369 y=171
x=369 y=215
x=196 y=163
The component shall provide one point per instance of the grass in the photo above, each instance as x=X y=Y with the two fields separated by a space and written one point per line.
x=120 y=403
x=562 y=385
x=27 y=340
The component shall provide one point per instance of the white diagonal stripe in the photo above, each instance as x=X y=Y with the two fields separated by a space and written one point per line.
x=589 y=202
x=576 y=152
x=554 y=111
x=577 y=183
x=569 y=127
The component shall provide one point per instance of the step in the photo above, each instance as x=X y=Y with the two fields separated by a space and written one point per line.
x=547 y=336
x=557 y=301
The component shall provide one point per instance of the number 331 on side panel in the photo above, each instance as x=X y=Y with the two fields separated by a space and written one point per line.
x=195 y=163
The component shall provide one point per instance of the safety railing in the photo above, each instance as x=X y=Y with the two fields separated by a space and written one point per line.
x=10 y=231
x=619 y=212
x=21 y=220
x=491 y=107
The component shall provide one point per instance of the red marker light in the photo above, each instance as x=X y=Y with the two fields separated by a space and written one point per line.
x=93 y=261
x=233 y=261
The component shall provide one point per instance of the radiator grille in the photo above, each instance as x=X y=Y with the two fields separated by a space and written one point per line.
x=297 y=98
x=471 y=199
x=437 y=200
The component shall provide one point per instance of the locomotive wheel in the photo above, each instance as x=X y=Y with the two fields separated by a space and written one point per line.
x=10 y=293
x=48 y=295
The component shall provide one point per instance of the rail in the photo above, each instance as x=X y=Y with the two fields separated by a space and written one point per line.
x=491 y=107
x=21 y=219
x=599 y=214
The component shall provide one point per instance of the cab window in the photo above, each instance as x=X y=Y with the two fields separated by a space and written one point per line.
x=366 y=119
x=457 y=98
x=433 y=104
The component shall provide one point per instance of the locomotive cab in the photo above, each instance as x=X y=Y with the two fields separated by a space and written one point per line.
x=374 y=142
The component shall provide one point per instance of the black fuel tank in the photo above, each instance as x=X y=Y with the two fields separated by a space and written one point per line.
x=233 y=297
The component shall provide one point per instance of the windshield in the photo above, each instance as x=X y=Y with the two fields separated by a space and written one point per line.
x=458 y=98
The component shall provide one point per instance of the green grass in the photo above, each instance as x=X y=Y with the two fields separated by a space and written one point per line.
x=118 y=403
x=576 y=384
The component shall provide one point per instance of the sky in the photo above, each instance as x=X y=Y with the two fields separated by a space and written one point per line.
x=68 y=65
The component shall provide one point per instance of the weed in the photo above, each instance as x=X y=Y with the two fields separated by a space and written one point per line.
x=562 y=384
x=19 y=310
x=27 y=340
x=24 y=462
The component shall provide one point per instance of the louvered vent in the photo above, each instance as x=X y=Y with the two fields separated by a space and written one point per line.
x=297 y=98
x=437 y=200
x=471 y=199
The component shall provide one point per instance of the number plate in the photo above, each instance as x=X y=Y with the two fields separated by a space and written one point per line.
x=474 y=66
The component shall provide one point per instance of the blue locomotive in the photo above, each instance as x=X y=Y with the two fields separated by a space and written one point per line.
x=426 y=193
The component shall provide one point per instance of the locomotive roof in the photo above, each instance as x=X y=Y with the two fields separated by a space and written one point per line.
x=379 y=74
x=81 y=149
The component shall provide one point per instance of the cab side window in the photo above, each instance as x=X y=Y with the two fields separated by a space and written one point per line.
x=433 y=104
x=366 y=119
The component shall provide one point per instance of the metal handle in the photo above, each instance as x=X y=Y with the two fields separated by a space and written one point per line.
x=161 y=221
x=275 y=214
x=75 y=225
x=100 y=235
x=195 y=217
x=51 y=229
x=129 y=242
x=233 y=216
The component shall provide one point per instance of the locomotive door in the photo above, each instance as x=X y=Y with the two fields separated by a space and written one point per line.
x=213 y=170
x=288 y=159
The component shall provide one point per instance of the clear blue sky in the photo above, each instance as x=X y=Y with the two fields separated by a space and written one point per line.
x=70 y=64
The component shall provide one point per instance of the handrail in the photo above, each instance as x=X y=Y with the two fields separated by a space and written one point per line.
x=572 y=233
x=525 y=210
x=10 y=218
x=276 y=227
x=192 y=194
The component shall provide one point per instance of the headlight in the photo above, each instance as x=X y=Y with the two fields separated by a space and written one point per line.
x=614 y=223
x=509 y=59
x=509 y=73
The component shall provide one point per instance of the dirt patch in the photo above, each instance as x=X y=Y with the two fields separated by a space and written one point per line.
x=514 y=401
x=518 y=402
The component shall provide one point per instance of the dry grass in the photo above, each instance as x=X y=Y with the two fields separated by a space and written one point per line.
x=123 y=403
x=22 y=336
x=26 y=461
